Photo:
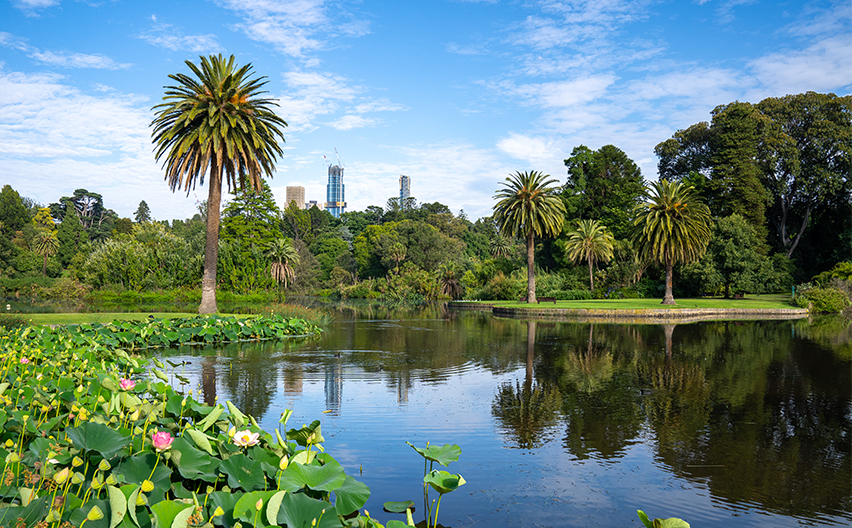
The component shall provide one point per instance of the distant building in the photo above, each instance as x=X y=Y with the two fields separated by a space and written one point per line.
x=314 y=203
x=296 y=194
x=404 y=187
x=335 y=197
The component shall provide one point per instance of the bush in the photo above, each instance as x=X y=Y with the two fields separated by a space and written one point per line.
x=821 y=300
x=571 y=295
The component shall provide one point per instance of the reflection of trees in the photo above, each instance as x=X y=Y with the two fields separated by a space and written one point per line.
x=599 y=396
x=250 y=380
x=208 y=379
x=527 y=412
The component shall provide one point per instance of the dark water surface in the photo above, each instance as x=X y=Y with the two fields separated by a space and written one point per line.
x=744 y=423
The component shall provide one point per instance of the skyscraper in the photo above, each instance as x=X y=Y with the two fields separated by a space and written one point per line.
x=335 y=197
x=404 y=187
x=296 y=194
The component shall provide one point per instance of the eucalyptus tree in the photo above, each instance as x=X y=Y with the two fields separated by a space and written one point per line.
x=672 y=226
x=527 y=207
x=216 y=123
x=592 y=242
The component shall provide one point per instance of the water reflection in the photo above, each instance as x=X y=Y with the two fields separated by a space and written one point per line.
x=756 y=414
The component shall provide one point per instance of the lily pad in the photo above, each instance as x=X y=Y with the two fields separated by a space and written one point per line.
x=320 y=478
x=97 y=437
x=298 y=511
x=351 y=496
x=193 y=463
x=243 y=472
x=398 y=507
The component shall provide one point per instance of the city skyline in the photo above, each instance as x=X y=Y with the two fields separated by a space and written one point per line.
x=456 y=94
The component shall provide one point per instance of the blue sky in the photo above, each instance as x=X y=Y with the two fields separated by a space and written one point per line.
x=455 y=94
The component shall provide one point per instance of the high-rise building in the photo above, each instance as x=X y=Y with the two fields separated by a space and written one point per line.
x=404 y=187
x=296 y=194
x=335 y=198
x=314 y=203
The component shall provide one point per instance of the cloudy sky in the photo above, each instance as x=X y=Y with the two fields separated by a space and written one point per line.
x=456 y=94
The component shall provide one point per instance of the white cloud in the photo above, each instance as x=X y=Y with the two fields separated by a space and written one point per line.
x=531 y=149
x=822 y=66
x=166 y=36
x=350 y=121
x=296 y=27
x=65 y=59
x=55 y=139
x=34 y=4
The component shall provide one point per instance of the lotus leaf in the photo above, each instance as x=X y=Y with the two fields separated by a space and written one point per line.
x=441 y=454
x=398 y=507
x=443 y=482
x=97 y=437
x=351 y=496
x=193 y=463
x=243 y=472
x=165 y=512
x=320 y=478
x=298 y=511
x=246 y=508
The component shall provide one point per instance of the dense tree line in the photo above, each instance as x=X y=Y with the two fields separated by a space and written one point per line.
x=773 y=178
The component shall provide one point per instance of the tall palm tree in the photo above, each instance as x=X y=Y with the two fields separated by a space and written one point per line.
x=527 y=208
x=501 y=246
x=592 y=242
x=672 y=225
x=284 y=256
x=216 y=121
x=45 y=244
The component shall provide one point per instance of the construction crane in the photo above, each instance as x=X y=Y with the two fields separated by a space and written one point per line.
x=339 y=163
x=326 y=160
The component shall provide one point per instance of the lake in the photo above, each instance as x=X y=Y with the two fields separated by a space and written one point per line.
x=737 y=423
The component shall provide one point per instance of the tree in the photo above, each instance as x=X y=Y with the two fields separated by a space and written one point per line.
x=284 y=256
x=807 y=159
x=590 y=242
x=46 y=245
x=251 y=218
x=13 y=213
x=71 y=236
x=527 y=208
x=672 y=225
x=217 y=121
x=603 y=185
x=143 y=213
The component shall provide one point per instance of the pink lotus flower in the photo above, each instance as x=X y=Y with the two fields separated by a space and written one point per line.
x=162 y=440
x=126 y=384
x=24 y=360
x=246 y=438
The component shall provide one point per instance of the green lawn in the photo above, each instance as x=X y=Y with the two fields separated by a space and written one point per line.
x=764 y=302
x=105 y=317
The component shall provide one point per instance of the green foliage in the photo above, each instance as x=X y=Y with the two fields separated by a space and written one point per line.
x=603 y=185
x=671 y=522
x=841 y=270
x=143 y=213
x=71 y=236
x=13 y=214
x=821 y=300
x=592 y=242
x=116 y=446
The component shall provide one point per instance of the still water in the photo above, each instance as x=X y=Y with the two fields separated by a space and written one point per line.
x=740 y=423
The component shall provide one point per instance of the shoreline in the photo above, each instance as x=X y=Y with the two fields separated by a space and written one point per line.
x=653 y=316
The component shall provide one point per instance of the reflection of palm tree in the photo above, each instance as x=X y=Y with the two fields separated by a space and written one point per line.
x=588 y=370
x=527 y=411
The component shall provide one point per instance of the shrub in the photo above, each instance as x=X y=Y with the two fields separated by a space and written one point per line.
x=572 y=295
x=821 y=300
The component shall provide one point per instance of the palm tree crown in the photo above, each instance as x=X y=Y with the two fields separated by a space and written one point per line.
x=216 y=121
x=284 y=256
x=672 y=226
x=592 y=242
x=527 y=208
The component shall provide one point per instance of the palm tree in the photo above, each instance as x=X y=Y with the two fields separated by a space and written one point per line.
x=672 y=225
x=527 y=208
x=216 y=121
x=592 y=242
x=284 y=256
x=501 y=246
x=45 y=244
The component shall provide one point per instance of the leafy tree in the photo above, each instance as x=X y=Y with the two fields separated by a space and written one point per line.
x=13 y=214
x=251 y=218
x=672 y=225
x=590 y=242
x=687 y=152
x=527 y=208
x=43 y=220
x=217 y=121
x=143 y=213
x=97 y=220
x=124 y=226
x=733 y=262
x=807 y=159
x=735 y=185
x=71 y=236
x=296 y=223
x=501 y=246
x=602 y=185
x=426 y=246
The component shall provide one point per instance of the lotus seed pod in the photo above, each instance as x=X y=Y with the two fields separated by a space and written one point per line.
x=77 y=478
x=62 y=476
x=12 y=457
x=147 y=486
x=111 y=480
x=76 y=461
x=218 y=512
x=103 y=465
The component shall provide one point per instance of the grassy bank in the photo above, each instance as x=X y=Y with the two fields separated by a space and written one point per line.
x=762 y=302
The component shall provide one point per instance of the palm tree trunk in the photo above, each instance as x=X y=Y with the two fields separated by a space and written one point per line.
x=531 y=268
x=211 y=247
x=44 y=270
x=528 y=378
x=668 y=298
x=591 y=275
